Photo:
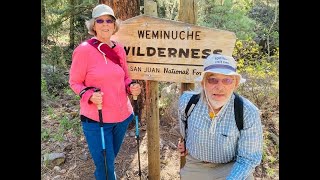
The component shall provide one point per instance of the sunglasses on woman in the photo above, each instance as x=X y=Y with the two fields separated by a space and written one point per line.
x=108 y=21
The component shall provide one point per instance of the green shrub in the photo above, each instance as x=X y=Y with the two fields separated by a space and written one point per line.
x=260 y=70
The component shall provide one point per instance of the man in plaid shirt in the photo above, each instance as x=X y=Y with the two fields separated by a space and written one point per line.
x=215 y=148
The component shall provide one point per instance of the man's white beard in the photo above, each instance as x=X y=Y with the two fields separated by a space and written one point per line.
x=217 y=104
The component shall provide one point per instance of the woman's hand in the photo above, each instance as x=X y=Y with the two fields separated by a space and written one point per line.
x=135 y=89
x=96 y=98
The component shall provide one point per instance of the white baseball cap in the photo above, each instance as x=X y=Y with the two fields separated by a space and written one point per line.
x=220 y=64
x=101 y=10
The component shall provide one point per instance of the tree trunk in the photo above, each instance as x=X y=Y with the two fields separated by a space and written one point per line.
x=71 y=31
x=44 y=34
x=124 y=9
x=188 y=11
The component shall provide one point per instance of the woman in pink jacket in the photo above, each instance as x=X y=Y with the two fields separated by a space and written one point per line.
x=100 y=63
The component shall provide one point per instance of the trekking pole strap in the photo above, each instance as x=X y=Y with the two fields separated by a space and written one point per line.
x=85 y=90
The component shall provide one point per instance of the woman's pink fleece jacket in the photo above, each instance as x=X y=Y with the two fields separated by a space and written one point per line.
x=89 y=68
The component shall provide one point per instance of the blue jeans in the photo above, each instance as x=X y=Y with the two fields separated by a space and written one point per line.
x=113 y=135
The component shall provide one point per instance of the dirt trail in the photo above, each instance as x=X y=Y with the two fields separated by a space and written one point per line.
x=79 y=165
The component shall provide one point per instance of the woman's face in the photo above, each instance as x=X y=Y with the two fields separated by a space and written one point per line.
x=219 y=88
x=104 y=27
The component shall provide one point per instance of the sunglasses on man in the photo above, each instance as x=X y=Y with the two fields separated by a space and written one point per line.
x=225 y=81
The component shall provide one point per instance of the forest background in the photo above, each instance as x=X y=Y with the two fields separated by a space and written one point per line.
x=63 y=149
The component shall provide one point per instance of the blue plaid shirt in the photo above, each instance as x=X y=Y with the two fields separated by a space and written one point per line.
x=224 y=143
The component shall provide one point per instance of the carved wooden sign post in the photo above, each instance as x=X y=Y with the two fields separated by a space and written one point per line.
x=165 y=50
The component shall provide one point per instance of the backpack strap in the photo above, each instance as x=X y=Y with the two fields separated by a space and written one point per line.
x=108 y=51
x=191 y=104
x=238 y=111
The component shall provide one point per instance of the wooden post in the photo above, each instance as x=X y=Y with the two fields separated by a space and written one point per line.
x=188 y=14
x=152 y=119
x=153 y=130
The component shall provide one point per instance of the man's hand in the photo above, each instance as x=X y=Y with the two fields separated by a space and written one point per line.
x=181 y=148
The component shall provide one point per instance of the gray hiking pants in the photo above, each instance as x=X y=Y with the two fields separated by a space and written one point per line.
x=198 y=170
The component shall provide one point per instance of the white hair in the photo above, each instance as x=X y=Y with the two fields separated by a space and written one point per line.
x=89 y=24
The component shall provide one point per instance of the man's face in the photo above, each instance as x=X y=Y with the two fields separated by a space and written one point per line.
x=219 y=88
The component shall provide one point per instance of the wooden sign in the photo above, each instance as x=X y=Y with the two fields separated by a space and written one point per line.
x=165 y=50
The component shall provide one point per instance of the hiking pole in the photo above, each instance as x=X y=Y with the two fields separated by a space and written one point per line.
x=102 y=135
x=136 y=111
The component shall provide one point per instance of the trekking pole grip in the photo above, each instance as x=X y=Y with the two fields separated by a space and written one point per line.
x=135 y=98
x=98 y=105
x=134 y=82
x=135 y=102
